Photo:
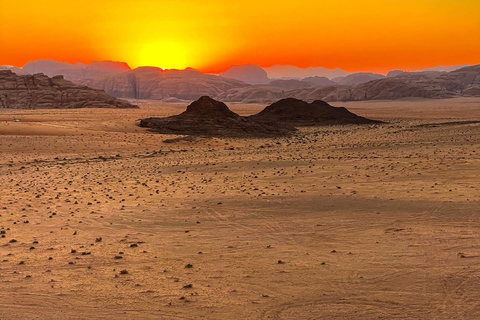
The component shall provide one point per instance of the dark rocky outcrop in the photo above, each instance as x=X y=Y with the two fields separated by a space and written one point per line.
x=296 y=112
x=208 y=117
x=40 y=91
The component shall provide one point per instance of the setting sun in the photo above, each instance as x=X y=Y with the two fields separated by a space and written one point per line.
x=352 y=35
x=167 y=55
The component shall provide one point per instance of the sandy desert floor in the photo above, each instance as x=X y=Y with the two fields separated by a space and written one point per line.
x=101 y=219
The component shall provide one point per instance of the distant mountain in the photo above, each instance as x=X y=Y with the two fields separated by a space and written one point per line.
x=417 y=75
x=432 y=85
x=291 y=84
x=117 y=79
x=446 y=68
x=50 y=67
x=432 y=71
x=319 y=81
x=40 y=91
x=15 y=70
x=279 y=72
x=257 y=94
x=249 y=74
x=76 y=71
x=394 y=73
x=158 y=84
x=109 y=66
x=357 y=78
x=309 y=82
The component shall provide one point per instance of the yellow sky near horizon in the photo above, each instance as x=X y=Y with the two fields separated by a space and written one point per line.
x=211 y=35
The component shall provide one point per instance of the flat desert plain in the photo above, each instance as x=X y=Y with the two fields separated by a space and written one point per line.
x=101 y=219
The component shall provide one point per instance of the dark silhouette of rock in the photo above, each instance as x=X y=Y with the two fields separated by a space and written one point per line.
x=40 y=91
x=250 y=74
x=208 y=117
x=296 y=112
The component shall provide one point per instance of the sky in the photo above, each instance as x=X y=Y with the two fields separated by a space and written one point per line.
x=211 y=35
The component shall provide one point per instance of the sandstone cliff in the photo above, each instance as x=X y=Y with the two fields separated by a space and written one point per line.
x=40 y=91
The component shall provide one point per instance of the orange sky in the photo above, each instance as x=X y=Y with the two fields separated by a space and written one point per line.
x=211 y=35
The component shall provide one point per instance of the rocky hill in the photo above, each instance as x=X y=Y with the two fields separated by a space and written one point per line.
x=296 y=112
x=208 y=117
x=41 y=91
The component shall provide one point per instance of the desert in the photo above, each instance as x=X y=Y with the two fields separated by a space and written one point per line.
x=102 y=219
x=240 y=160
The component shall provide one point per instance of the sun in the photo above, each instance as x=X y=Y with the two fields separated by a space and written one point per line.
x=163 y=54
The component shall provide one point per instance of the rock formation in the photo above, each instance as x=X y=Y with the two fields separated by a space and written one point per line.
x=319 y=81
x=357 y=78
x=40 y=91
x=296 y=112
x=279 y=71
x=291 y=84
x=51 y=67
x=249 y=74
x=261 y=94
x=208 y=117
x=116 y=79
x=157 y=84
x=426 y=84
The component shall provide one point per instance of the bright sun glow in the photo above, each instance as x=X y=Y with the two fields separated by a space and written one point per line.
x=164 y=54
x=211 y=35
